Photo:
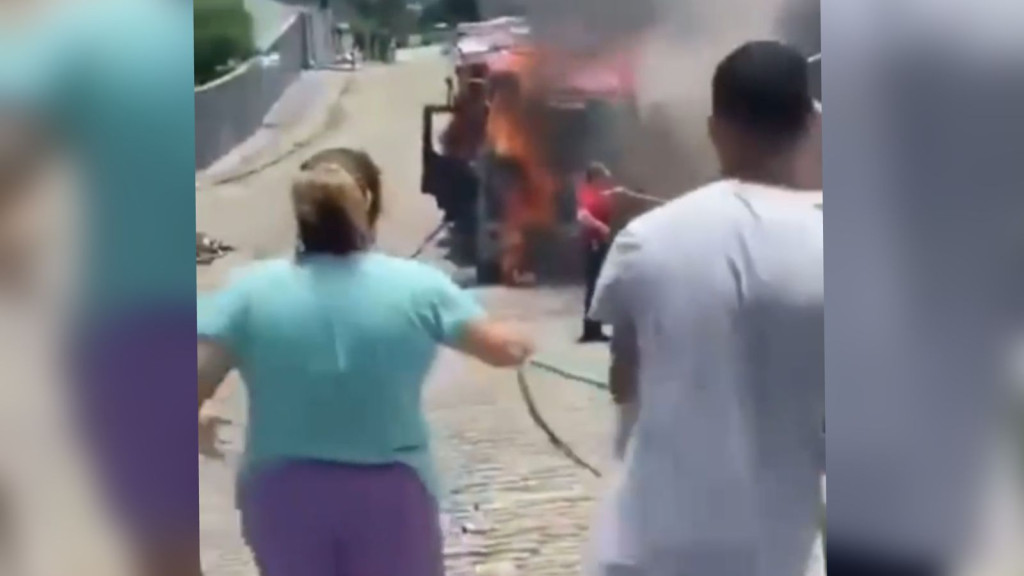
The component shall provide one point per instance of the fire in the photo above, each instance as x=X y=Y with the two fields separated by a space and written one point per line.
x=525 y=81
x=516 y=135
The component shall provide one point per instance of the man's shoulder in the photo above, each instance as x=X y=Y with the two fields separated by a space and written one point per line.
x=692 y=211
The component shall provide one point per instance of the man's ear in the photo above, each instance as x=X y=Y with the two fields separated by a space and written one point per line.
x=714 y=130
x=809 y=159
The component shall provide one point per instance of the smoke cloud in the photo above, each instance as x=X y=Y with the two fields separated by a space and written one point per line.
x=682 y=41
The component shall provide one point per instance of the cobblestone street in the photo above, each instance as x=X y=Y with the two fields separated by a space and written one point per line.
x=516 y=505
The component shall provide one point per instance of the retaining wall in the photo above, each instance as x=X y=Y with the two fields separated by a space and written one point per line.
x=231 y=109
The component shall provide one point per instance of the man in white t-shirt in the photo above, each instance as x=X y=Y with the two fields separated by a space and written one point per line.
x=723 y=289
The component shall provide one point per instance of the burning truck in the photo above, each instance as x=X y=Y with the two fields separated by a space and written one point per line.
x=524 y=122
x=526 y=118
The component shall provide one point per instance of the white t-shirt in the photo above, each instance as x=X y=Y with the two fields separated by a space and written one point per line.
x=725 y=289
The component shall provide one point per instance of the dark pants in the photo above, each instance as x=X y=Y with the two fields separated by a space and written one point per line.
x=845 y=561
x=594 y=255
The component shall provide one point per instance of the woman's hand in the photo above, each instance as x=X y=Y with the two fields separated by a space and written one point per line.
x=208 y=428
x=497 y=343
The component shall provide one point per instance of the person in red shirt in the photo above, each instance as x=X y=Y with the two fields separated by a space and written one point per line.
x=594 y=216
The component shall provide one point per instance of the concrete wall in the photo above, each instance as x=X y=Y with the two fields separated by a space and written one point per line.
x=231 y=109
x=268 y=18
x=323 y=48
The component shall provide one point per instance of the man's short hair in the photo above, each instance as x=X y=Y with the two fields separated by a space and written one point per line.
x=763 y=88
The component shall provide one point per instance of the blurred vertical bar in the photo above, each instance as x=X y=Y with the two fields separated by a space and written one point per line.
x=107 y=84
x=922 y=234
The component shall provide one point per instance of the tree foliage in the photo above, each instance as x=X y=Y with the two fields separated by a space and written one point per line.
x=223 y=35
x=373 y=16
x=462 y=10
x=451 y=12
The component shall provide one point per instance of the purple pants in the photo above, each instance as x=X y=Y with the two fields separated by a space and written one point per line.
x=135 y=381
x=325 y=519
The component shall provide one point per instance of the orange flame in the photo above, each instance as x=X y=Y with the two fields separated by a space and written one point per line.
x=515 y=130
x=516 y=135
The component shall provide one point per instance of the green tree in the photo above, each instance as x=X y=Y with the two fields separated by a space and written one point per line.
x=223 y=35
x=451 y=12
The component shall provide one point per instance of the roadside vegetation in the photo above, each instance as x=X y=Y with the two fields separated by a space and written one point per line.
x=223 y=38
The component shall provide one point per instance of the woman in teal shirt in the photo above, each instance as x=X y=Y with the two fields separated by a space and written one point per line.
x=334 y=348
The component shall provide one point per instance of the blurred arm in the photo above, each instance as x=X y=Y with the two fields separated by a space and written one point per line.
x=623 y=373
x=588 y=220
x=585 y=214
x=623 y=382
x=23 y=155
x=214 y=364
x=39 y=74
x=454 y=318
x=24 y=148
x=495 y=343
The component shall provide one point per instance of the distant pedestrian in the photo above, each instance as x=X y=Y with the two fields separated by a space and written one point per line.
x=722 y=291
x=594 y=216
x=334 y=348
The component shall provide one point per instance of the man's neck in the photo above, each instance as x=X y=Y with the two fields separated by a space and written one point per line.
x=779 y=172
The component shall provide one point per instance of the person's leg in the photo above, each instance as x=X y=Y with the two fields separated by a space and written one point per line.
x=394 y=525
x=593 y=260
x=131 y=370
x=288 y=519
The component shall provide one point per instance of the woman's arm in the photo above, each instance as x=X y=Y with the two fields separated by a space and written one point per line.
x=24 y=154
x=24 y=150
x=455 y=319
x=214 y=364
x=495 y=343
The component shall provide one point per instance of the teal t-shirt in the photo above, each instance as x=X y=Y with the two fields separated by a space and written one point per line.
x=113 y=80
x=334 y=353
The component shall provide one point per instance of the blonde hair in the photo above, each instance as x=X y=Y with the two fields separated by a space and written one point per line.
x=332 y=211
x=360 y=166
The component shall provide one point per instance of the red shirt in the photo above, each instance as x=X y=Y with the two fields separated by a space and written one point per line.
x=599 y=205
